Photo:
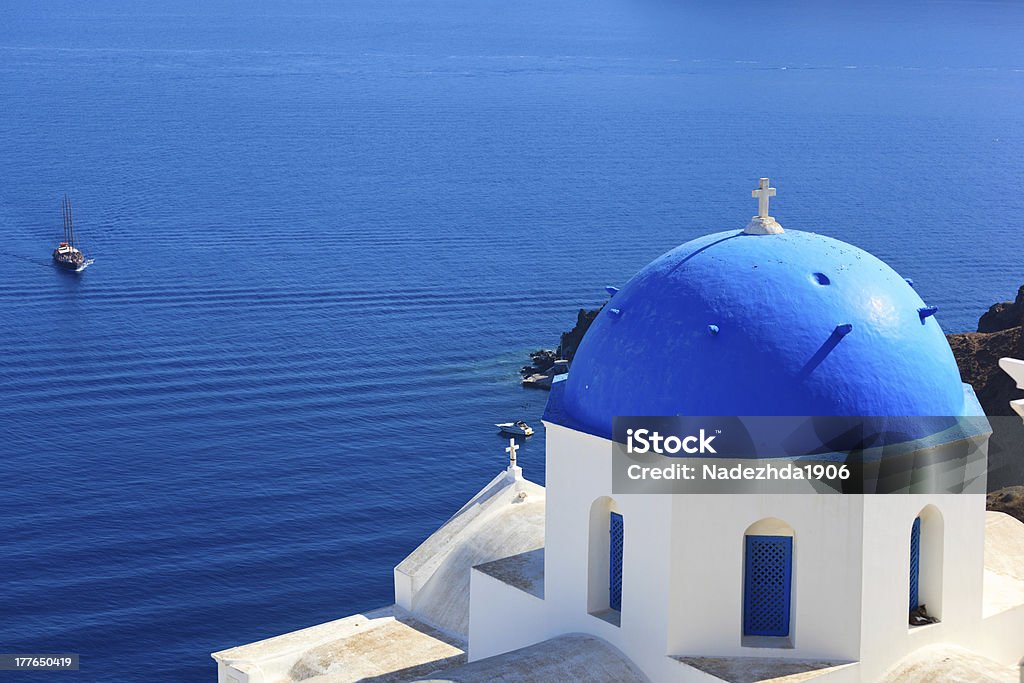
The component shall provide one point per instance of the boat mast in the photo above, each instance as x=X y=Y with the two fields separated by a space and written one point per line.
x=71 y=225
x=64 y=215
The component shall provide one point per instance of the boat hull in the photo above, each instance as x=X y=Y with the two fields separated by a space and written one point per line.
x=69 y=262
x=514 y=430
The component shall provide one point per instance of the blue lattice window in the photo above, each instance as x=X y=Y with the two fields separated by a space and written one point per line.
x=915 y=563
x=767 y=585
x=615 y=557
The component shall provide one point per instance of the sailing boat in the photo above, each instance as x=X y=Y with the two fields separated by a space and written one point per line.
x=67 y=255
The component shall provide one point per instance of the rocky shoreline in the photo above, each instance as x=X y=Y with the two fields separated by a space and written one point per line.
x=1000 y=334
x=546 y=364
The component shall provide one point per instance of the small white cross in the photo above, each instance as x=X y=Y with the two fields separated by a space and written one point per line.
x=762 y=194
x=511 y=450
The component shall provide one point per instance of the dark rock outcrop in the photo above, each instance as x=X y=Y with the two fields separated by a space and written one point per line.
x=570 y=340
x=1009 y=500
x=544 y=367
x=1004 y=315
x=541 y=361
x=978 y=354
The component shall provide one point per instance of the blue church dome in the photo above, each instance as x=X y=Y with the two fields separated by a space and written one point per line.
x=792 y=323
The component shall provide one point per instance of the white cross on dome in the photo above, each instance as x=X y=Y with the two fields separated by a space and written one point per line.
x=763 y=193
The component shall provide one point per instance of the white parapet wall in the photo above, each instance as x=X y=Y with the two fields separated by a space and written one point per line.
x=505 y=518
x=504 y=616
x=1015 y=369
x=355 y=647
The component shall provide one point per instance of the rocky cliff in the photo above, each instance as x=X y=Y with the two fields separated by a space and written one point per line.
x=977 y=353
x=570 y=340
x=999 y=334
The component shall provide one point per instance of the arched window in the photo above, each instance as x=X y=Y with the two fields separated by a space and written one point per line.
x=926 y=547
x=605 y=560
x=768 y=579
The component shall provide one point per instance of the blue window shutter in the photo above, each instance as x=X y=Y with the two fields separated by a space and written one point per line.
x=615 y=556
x=767 y=583
x=915 y=563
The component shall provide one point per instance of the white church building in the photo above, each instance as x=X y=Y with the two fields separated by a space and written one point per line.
x=576 y=582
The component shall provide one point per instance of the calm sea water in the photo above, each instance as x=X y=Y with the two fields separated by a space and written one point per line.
x=326 y=235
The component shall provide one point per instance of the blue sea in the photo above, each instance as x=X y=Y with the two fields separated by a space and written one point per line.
x=327 y=234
